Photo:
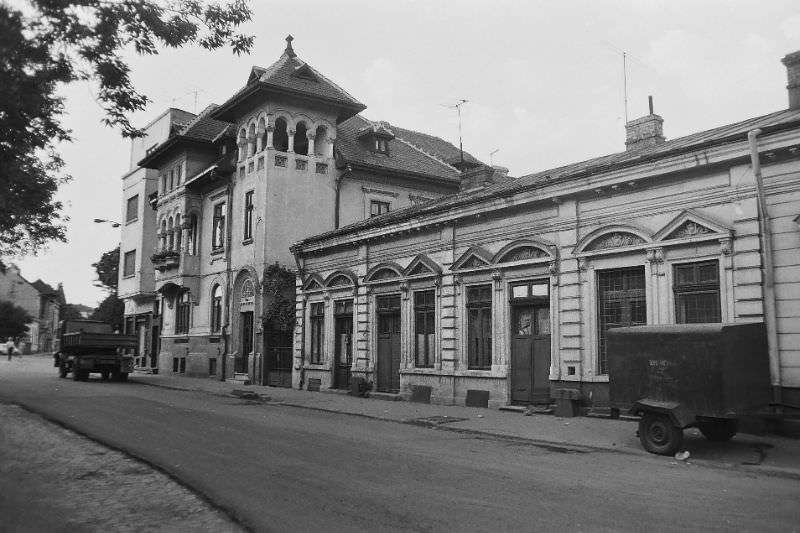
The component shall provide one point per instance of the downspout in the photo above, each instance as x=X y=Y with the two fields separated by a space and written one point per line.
x=302 y=331
x=228 y=236
x=765 y=234
x=338 y=186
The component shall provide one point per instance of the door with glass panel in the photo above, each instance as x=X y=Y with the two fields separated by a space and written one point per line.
x=530 y=343
x=388 y=363
x=343 y=352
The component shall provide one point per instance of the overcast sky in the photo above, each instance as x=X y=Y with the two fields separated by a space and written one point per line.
x=543 y=80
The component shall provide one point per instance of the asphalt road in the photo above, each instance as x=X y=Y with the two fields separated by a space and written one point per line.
x=278 y=468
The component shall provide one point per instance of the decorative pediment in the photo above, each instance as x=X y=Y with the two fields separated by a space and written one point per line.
x=475 y=257
x=313 y=283
x=384 y=271
x=521 y=251
x=689 y=225
x=612 y=237
x=617 y=239
x=340 y=279
x=422 y=265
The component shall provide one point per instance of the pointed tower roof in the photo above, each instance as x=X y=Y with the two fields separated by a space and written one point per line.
x=290 y=76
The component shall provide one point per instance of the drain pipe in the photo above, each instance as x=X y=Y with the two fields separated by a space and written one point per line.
x=765 y=231
x=302 y=325
x=337 y=200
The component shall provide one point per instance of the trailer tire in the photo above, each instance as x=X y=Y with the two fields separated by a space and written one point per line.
x=658 y=435
x=719 y=429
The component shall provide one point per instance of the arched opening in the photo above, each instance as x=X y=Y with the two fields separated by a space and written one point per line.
x=178 y=233
x=261 y=132
x=216 y=309
x=163 y=236
x=321 y=141
x=241 y=143
x=170 y=234
x=192 y=237
x=251 y=140
x=301 y=139
x=280 y=139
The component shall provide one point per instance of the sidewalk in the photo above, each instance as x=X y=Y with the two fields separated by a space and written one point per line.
x=768 y=454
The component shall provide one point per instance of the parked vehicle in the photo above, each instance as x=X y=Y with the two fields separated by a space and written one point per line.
x=691 y=375
x=86 y=346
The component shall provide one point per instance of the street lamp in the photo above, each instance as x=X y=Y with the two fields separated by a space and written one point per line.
x=102 y=220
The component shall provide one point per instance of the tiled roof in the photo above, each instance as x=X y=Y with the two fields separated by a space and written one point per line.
x=434 y=145
x=736 y=132
x=405 y=153
x=203 y=127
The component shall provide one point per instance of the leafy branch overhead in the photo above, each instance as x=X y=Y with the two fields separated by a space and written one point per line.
x=48 y=43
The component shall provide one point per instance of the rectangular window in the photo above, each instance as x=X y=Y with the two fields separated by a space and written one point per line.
x=178 y=174
x=479 y=327
x=248 y=215
x=378 y=208
x=182 y=314
x=132 y=210
x=171 y=179
x=621 y=302
x=424 y=328
x=317 y=332
x=129 y=264
x=696 y=288
x=163 y=184
x=218 y=236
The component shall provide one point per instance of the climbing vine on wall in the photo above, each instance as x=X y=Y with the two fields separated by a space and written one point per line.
x=279 y=296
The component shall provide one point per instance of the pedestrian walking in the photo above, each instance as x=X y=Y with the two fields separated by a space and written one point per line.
x=10 y=347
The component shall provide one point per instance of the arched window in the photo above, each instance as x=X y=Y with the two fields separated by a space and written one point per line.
x=178 y=233
x=216 y=309
x=163 y=235
x=251 y=140
x=170 y=234
x=301 y=139
x=261 y=132
x=241 y=143
x=280 y=139
x=192 y=238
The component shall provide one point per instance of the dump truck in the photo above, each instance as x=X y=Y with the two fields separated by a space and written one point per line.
x=86 y=346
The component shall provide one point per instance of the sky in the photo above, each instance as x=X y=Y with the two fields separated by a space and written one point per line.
x=544 y=84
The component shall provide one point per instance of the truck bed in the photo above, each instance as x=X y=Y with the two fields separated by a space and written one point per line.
x=81 y=341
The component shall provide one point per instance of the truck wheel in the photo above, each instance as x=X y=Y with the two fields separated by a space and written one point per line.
x=62 y=370
x=719 y=429
x=76 y=372
x=658 y=435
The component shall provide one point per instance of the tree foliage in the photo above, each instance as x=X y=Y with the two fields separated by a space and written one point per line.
x=69 y=312
x=111 y=311
x=279 y=293
x=14 y=320
x=53 y=42
x=107 y=269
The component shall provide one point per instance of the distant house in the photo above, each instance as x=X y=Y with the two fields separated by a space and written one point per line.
x=40 y=300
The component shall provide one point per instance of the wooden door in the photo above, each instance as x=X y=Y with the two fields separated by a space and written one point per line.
x=388 y=352
x=246 y=341
x=343 y=359
x=278 y=356
x=530 y=354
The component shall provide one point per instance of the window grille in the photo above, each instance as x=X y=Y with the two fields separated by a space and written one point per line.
x=621 y=302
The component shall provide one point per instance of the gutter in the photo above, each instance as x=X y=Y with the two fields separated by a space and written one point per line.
x=765 y=236
x=228 y=236
x=337 y=201
x=302 y=324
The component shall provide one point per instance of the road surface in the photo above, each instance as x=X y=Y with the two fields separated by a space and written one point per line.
x=279 y=468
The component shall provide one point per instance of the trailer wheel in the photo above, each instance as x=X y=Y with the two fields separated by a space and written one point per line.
x=719 y=429
x=62 y=369
x=658 y=435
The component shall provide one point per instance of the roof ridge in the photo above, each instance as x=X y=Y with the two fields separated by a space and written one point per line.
x=417 y=148
x=201 y=115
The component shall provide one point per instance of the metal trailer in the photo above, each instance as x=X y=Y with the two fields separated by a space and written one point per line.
x=87 y=346
x=689 y=375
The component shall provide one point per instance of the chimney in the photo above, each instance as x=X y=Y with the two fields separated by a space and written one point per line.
x=792 y=63
x=483 y=176
x=644 y=132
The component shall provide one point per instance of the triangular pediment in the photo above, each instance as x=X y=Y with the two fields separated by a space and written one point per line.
x=422 y=265
x=689 y=225
x=475 y=257
x=313 y=285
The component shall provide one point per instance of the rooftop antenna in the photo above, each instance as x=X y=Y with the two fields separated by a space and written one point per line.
x=625 y=82
x=457 y=107
x=491 y=156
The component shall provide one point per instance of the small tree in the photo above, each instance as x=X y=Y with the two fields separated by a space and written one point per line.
x=279 y=296
x=112 y=309
x=14 y=320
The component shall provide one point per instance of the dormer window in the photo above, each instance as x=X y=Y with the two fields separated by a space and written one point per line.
x=381 y=145
x=376 y=136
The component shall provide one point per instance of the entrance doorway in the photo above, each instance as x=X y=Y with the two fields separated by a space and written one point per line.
x=343 y=353
x=388 y=363
x=530 y=343
x=246 y=341
x=278 y=350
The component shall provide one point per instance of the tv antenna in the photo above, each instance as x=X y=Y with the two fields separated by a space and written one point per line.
x=457 y=107
x=625 y=82
x=491 y=156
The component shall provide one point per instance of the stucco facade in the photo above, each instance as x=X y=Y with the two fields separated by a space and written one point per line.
x=42 y=302
x=503 y=294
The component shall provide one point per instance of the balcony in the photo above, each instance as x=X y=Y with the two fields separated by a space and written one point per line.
x=165 y=260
